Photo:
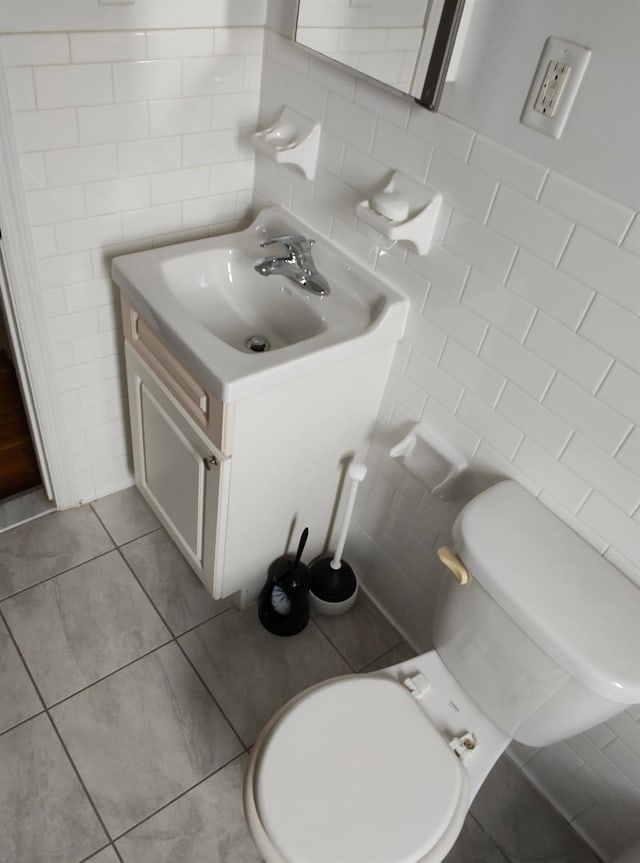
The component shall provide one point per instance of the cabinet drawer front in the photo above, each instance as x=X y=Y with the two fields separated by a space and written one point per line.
x=208 y=411
x=173 y=374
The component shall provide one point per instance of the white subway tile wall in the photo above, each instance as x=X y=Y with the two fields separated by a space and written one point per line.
x=126 y=140
x=521 y=349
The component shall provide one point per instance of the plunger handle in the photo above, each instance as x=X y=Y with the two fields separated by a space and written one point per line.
x=356 y=474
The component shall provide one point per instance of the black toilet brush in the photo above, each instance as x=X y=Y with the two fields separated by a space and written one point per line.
x=333 y=585
x=283 y=604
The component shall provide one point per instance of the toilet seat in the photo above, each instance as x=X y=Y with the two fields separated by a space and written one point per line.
x=353 y=771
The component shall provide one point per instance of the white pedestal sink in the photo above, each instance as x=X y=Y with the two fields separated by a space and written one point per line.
x=206 y=301
x=235 y=450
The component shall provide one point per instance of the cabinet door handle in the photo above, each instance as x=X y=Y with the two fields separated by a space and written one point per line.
x=210 y=461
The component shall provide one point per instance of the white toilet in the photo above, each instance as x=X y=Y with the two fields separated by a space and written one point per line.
x=542 y=643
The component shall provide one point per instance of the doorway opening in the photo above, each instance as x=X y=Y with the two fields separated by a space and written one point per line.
x=22 y=495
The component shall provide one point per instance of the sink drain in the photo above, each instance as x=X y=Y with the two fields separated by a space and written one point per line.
x=258 y=344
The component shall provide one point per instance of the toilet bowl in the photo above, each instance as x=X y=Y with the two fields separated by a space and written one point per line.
x=382 y=768
x=384 y=759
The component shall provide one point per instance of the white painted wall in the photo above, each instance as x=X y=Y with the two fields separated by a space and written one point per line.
x=600 y=142
x=127 y=139
x=23 y=16
x=521 y=348
x=501 y=54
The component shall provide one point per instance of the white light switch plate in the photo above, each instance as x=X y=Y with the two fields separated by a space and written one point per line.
x=555 y=85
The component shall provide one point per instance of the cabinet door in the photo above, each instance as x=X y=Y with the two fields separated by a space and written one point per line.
x=176 y=470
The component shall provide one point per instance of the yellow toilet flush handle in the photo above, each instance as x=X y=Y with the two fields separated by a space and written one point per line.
x=453 y=562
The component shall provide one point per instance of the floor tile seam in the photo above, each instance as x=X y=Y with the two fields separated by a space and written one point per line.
x=104 y=677
x=337 y=649
x=25 y=664
x=102 y=524
x=363 y=670
x=175 y=634
x=499 y=841
x=22 y=722
x=136 y=538
x=145 y=592
x=112 y=839
x=175 y=799
x=170 y=638
x=99 y=851
x=57 y=575
x=205 y=620
x=503 y=854
x=110 y=535
x=241 y=740
x=79 y=777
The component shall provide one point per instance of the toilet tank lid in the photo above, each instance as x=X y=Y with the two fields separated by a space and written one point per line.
x=572 y=602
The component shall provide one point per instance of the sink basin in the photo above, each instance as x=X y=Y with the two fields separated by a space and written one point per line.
x=222 y=290
x=242 y=332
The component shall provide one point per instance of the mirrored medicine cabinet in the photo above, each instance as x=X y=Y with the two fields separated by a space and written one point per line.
x=405 y=44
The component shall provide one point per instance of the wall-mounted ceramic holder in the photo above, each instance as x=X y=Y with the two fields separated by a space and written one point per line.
x=417 y=229
x=430 y=458
x=292 y=140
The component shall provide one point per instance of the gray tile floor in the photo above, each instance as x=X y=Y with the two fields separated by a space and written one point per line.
x=22 y=507
x=129 y=699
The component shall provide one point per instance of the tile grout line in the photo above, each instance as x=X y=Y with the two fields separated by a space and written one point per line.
x=179 y=796
x=109 y=533
x=115 y=671
x=505 y=858
x=28 y=671
x=215 y=701
x=77 y=773
x=99 y=851
x=46 y=709
x=46 y=712
x=51 y=577
x=173 y=638
x=353 y=668
x=326 y=637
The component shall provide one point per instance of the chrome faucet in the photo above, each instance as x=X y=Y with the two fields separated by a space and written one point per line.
x=297 y=265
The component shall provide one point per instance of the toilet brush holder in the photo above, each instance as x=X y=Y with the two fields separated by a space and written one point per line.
x=331 y=591
x=333 y=585
x=283 y=604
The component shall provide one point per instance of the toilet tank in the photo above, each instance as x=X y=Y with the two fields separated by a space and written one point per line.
x=545 y=638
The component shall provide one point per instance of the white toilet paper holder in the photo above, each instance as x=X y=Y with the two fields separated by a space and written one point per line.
x=429 y=457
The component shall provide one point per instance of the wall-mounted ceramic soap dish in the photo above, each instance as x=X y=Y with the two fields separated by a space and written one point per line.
x=404 y=211
x=292 y=140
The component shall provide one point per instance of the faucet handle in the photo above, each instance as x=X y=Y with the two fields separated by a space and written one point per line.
x=295 y=243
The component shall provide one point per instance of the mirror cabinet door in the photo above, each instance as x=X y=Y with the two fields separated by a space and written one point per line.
x=405 y=44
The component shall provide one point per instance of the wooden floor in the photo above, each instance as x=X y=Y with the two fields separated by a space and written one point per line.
x=18 y=465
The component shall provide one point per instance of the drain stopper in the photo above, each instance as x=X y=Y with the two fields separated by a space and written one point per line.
x=258 y=344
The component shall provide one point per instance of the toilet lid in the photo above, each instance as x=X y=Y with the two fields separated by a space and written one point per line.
x=354 y=771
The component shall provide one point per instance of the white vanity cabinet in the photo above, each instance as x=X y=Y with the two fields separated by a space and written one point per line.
x=235 y=483
x=178 y=464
